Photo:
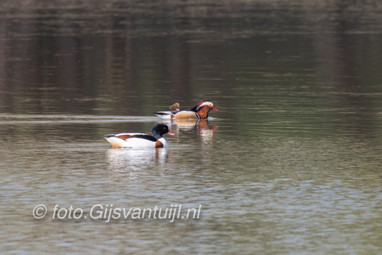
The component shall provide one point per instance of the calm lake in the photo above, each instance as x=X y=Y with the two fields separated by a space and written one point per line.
x=290 y=164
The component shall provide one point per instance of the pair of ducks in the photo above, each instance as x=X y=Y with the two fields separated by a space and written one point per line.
x=156 y=140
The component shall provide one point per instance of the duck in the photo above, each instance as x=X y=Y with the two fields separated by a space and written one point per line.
x=199 y=111
x=141 y=140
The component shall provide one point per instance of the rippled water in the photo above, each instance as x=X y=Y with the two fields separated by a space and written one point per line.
x=290 y=164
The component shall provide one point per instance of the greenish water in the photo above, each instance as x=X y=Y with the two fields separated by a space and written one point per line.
x=290 y=164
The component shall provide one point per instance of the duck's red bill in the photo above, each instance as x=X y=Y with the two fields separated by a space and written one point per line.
x=213 y=108
x=169 y=133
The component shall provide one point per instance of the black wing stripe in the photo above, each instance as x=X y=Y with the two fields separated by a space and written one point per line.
x=147 y=137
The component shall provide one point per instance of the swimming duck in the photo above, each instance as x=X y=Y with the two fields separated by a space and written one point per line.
x=140 y=140
x=199 y=111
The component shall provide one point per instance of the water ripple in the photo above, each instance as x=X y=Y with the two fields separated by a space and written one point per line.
x=16 y=119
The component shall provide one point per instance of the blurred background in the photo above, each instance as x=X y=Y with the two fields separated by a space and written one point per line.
x=290 y=164
x=132 y=57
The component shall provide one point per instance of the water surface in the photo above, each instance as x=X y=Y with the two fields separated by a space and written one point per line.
x=290 y=164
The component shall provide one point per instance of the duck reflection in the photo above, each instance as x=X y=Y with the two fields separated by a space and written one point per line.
x=132 y=161
x=203 y=129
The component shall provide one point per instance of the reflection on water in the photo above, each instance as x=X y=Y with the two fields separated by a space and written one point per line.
x=127 y=160
x=289 y=165
x=202 y=128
